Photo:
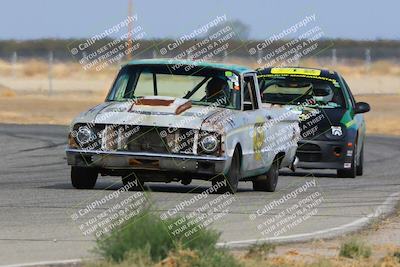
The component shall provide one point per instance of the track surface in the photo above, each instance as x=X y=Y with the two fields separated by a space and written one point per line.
x=37 y=200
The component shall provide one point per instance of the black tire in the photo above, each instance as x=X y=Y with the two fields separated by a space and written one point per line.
x=232 y=177
x=132 y=179
x=352 y=172
x=83 y=177
x=268 y=181
x=360 y=163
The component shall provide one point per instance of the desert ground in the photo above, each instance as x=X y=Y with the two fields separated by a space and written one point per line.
x=26 y=96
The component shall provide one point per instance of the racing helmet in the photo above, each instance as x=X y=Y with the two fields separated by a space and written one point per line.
x=323 y=93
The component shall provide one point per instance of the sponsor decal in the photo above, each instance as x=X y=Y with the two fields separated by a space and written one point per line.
x=336 y=130
x=310 y=72
x=258 y=140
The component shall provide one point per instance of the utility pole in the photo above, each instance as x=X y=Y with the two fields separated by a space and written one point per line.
x=129 y=30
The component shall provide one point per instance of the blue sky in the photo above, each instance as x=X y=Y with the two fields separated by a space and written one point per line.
x=32 y=19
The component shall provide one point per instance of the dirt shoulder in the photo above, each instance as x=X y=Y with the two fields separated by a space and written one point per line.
x=61 y=108
x=382 y=237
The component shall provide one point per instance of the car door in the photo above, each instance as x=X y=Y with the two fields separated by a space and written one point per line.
x=253 y=135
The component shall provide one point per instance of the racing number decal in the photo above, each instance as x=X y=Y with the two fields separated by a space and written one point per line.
x=258 y=140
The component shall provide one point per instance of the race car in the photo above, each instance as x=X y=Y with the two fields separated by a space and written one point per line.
x=331 y=121
x=169 y=120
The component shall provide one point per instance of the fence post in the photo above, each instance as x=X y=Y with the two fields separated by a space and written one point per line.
x=334 y=57
x=367 y=59
x=225 y=56
x=51 y=72
x=14 y=59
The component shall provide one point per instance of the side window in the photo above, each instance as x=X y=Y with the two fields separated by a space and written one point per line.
x=249 y=94
x=353 y=101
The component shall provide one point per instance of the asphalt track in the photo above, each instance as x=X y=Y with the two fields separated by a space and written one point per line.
x=37 y=200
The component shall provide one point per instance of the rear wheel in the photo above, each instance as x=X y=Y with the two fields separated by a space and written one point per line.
x=268 y=181
x=83 y=177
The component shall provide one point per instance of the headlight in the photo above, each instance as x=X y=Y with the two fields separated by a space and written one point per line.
x=84 y=135
x=209 y=143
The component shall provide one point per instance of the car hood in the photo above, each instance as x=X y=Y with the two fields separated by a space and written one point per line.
x=316 y=122
x=150 y=114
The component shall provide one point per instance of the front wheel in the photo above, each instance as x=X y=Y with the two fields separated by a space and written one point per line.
x=83 y=177
x=232 y=177
x=360 y=163
x=352 y=171
x=268 y=181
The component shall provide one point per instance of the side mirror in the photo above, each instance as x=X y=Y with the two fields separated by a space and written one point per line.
x=361 y=107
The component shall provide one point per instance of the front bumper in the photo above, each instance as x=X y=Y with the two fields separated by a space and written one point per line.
x=317 y=154
x=122 y=160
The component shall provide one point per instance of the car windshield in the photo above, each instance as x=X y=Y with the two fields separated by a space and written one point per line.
x=203 y=86
x=300 y=90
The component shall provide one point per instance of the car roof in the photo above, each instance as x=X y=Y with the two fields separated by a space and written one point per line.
x=167 y=61
x=299 y=71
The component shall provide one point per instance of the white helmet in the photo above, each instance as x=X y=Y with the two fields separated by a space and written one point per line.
x=323 y=94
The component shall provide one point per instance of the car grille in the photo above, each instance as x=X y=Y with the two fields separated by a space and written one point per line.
x=307 y=152
x=134 y=138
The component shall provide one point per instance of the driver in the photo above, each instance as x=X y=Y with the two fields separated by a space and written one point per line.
x=323 y=94
x=215 y=89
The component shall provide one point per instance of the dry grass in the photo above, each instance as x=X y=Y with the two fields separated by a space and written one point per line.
x=61 y=108
x=384 y=115
x=35 y=68
x=6 y=92
x=40 y=68
x=24 y=88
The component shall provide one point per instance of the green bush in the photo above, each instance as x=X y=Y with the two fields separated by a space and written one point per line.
x=397 y=255
x=260 y=251
x=181 y=258
x=354 y=248
x=149 y=230
x=140 y=258
x=214 y=258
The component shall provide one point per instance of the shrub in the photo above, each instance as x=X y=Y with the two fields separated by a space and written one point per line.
x=190 y=258
x=354 y=248
x=260 y=251
x=139 y=258
x=149 y=230
x=397 y=255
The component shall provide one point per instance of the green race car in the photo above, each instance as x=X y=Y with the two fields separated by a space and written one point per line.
x=332 y=124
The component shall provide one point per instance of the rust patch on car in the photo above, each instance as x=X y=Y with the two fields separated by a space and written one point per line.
x=183 y=107
x=144 y=164
x=154 y=102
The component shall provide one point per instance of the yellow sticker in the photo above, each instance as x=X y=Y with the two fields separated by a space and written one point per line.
x=311 y=72
x=258 y=140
